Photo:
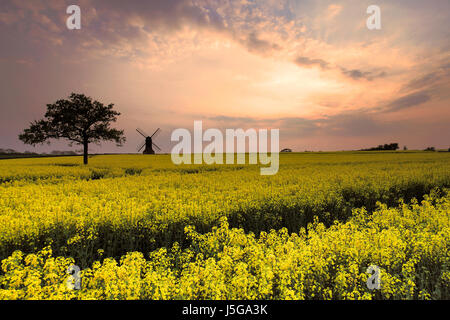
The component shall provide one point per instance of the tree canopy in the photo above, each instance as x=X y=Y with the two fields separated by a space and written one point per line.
x=79 y=119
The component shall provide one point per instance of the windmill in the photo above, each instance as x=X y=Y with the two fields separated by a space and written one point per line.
x=148 y=143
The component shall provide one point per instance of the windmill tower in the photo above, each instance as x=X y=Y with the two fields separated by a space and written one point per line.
x=148 y=143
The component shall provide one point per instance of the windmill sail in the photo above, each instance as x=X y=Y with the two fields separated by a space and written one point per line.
x=148 y=143
x=159 y=149
x=156 y=132
x=142 y=133
x=141 y=146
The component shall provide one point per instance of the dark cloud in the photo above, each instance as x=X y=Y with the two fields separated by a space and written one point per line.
x=408 y=101
x=308 y=62
x=357 y=123
x=120 y=26
x=171 y=14
x=440 y=76
x=295 y=125
x=300 y=126
x=254 y=44
x=423 y=81
x=355 y=74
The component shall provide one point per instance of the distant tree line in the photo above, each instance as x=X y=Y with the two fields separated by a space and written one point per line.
x=53 y=153
x=394 y=146
x=391 y=146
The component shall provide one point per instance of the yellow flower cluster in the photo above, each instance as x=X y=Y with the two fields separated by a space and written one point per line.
x=409 y=243
x=131 y=203
x=128 y=206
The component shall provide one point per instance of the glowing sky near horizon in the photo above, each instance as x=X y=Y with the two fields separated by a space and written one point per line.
x=310 y=68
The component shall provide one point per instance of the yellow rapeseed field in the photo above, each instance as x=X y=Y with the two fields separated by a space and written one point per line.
x=140 y=227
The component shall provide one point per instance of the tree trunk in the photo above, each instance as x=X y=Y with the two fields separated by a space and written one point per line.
x=85 y=154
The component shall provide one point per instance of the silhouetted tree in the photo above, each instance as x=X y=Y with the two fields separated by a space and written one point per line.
x=79 y=120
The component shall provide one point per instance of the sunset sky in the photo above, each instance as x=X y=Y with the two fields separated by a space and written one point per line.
x=310 y=68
